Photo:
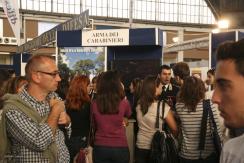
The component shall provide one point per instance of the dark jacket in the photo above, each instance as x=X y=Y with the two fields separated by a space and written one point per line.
x=170 y=95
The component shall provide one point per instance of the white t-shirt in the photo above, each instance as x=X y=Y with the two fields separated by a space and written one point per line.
x=146 y=124
x=233 y=151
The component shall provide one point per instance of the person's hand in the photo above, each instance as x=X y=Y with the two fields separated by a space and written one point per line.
x=125 y=122
x=57 y=105
x=64 y=119
x=57 y=116
x=87 y=150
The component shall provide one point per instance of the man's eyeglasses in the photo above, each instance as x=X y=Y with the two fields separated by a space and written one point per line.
x=53 y=74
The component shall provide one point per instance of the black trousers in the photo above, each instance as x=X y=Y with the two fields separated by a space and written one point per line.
x=142 y=155
x=213 y=158
x=74 y=145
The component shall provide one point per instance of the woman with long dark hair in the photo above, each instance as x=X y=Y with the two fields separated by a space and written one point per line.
x=146 y=117
x=135 y=90
x=78 y=108
x=189 y=108
x=108 y=111
x=15 y=84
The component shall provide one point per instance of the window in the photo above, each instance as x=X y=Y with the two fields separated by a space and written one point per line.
x=1 y=27
x=45 y=26
x=181 y=11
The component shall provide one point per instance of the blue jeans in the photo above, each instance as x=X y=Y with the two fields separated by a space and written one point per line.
x=102 y=154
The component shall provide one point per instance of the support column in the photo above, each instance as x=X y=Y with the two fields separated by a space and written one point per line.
x=180 y=55
x=131 y=7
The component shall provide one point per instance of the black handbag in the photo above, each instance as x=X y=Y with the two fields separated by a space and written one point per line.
x=214 y=130
x=163 y=146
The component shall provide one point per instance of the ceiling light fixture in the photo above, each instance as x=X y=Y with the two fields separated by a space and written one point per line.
x=223 y=24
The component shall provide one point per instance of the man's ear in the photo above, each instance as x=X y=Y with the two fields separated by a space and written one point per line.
x=35 y=77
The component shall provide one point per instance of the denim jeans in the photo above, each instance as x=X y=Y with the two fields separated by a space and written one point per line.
x=102 y=154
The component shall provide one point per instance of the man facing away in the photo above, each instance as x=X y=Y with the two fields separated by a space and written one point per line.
x=181 y=71
x=228 y=94
x=32 y=117
x=169 y=91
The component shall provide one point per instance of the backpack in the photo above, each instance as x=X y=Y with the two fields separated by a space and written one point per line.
x=163 y=147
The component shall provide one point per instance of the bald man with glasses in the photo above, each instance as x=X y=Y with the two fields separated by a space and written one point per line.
x=33 y=116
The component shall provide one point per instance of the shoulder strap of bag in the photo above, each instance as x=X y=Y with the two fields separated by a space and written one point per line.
x=211 y=116
x=158 y=112
x=215 y=134
x=203 y=125
x=157 y=117
x=163 y=108
x=91 y=129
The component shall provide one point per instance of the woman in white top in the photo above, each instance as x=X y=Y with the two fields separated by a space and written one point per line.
x=146 y=117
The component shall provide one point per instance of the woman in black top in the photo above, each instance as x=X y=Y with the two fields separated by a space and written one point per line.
x=78 y=108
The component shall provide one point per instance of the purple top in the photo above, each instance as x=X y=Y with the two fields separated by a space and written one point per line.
x=110 y=130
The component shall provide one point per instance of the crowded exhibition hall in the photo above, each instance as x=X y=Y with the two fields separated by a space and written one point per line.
x=121 y=81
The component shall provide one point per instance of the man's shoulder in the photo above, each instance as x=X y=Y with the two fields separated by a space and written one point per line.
x=173 y=88
x=9 y=101
x=233 y=150
x=235 y=143
x=15 y=104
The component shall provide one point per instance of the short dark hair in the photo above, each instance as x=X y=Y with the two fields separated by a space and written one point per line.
x=233 y=51
x=211 y=71
x=33 y=63
x=182 y=70
x=163 y=67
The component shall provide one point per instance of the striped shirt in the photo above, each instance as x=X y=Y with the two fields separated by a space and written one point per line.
x=29 y=139
x=190 y=128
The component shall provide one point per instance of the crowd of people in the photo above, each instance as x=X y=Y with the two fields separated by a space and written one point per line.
x=38 y=126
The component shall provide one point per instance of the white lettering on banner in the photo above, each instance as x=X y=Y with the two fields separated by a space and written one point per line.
x=112 y=37
x=11 y=10
x=78 y=22
x=11 y=13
